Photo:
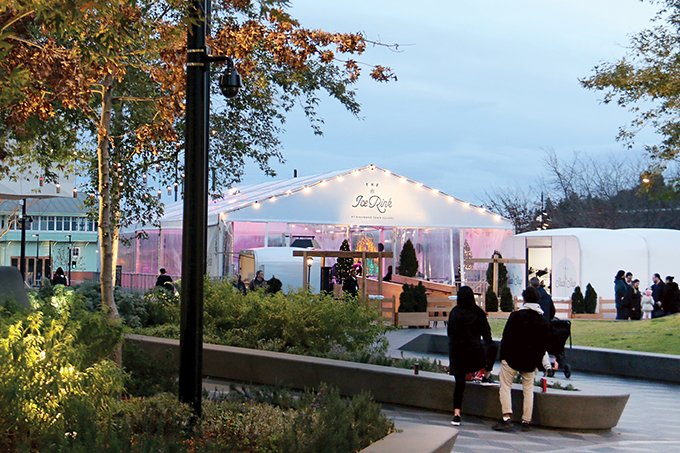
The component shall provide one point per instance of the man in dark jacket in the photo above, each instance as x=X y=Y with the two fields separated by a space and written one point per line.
x=671 y=299
x=658 y=294
x=545 y=301
x=523 y=349
x=467 y=326
x=164 y=280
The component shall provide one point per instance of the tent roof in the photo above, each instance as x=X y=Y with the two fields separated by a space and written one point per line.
x=367 y=195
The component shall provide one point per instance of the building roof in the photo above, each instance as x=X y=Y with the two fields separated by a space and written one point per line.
x=46 y=206
x=368 y=195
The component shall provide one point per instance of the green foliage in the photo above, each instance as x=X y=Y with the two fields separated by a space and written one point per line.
x=507 y=302
x=590 y=300
x=502 y=272
x=491 y=301
x=577 y=305
x=53 y=379
x=146 y=375
x=408 y=261
x=344 y=264
x=413 y=299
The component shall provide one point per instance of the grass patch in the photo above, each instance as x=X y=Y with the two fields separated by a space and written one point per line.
x=660 y=335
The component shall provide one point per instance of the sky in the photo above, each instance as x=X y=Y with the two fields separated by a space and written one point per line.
x=483 y=90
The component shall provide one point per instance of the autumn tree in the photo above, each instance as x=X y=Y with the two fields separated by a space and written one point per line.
x=99 y=88
x=647 y=82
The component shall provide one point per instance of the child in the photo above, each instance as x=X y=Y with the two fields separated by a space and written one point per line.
x=647 y=304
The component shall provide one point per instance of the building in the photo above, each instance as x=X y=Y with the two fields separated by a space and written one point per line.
x=55 y=225
x=370 y=206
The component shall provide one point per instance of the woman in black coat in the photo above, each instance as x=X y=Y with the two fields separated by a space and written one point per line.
x=467 y=354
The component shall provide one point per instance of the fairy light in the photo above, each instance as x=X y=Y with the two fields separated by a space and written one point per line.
x=466 y=204
x=144 y=178
x=272 y=199
x=497 y=217
x=481 y=209
x=340 y=179
x=435 y=191
x=256 y=205
x=372 y=167
x=322 y=183
x=451 y=199
x=387 y=172
x=306 y=189
x=403 y=180
x=159 y=194
x=419 y=185
x=356 y=172
x=288 y=192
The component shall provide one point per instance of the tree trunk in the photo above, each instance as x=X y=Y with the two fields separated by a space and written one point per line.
x=106 y=225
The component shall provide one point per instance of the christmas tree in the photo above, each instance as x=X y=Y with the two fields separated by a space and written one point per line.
x=344 y=264
x=491 y=302
x=577 y=305
x=408 y=262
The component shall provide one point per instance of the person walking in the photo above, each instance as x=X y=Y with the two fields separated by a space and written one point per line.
x=523 y=349
x=258 y=281
x=467 y=327
x=647 y=304
x=545 y=301
x=633 y=301
x=351 y=284
x=620 y=290
x=59 y=278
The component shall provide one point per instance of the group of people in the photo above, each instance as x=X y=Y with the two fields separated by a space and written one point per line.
x=523 y=349
x=254 y=284
x=661 y=299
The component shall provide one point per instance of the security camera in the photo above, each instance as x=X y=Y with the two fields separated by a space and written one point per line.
x=230 y=81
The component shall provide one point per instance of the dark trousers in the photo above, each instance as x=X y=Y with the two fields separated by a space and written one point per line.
x=621 y=313
x=490 y=353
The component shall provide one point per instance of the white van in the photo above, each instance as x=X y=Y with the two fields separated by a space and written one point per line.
x=279 y=262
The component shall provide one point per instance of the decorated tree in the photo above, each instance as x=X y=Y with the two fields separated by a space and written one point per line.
x=344 y=264
x=490 y=301
x=577 y=305
x=98 y=88
x=507 y=302
x=590 y=299
x=408 y=261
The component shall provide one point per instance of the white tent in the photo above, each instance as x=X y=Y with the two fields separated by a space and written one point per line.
x=371 y=202
x=578 y=256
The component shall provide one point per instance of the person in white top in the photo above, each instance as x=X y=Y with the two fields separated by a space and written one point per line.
x=647 y=303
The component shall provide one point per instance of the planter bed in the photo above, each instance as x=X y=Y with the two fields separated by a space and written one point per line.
x=557 y=408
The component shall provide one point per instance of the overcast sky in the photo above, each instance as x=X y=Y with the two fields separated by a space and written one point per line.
x=484 y=88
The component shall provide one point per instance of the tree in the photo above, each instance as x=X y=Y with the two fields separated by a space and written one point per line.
x=107 y=79
x=502 y=272
x=590 y=299
x=507 y=302
x=413 y=298
x=408 y=261
x=490 y=301
x=344 y=264
x=577 y=305
x=646 y=82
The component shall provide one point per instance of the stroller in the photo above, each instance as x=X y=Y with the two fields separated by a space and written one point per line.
x=560 y=330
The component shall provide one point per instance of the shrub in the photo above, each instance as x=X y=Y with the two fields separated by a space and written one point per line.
x=146 y=375
x=491 y=301
x=413 y=299
x=507 y=302
x=590 y=300
x=577 y=305
x=408 y=261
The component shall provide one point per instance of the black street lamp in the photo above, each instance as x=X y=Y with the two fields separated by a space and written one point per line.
x=69 y=258
x=194 y=226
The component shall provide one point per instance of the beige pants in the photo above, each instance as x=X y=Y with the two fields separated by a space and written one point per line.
x=506 y=377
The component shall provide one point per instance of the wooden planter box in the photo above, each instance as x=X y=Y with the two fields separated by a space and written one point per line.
x=413 y=319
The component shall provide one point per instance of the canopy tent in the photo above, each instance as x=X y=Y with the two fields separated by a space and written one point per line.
x=578 y=256
x=368 y=205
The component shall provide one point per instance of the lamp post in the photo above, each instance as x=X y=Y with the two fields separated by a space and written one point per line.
x=194 y=231
x=37 y=254
x=310 y=261
x=69 y=259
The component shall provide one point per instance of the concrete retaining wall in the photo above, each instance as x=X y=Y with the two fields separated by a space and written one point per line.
x=434 y=391
x=642 y=365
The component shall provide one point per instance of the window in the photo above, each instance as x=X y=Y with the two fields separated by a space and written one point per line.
x=82 y=221
x=43 y=223
x=50 y=223
x=90 y=225
x=74 y=223
x=59 y=223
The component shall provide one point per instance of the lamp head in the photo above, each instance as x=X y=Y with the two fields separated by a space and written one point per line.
x=230 y=81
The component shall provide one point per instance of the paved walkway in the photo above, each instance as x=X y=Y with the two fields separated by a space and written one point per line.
x=649 y=423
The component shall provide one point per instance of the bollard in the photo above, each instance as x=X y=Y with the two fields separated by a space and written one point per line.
x=415 y=369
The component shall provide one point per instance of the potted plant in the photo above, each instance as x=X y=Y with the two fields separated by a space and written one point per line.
x=413 y=307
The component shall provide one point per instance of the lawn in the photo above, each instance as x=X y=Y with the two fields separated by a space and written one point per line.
x=658 y=335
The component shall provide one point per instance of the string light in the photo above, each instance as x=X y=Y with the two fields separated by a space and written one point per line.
x=256 y=205
x=419 y=185
x=356 y=172
x=75 y=193
x=323 y=183
x=403 y=180
x=435 y=191
x=466 y=204
x=159 y=194
x=340 y=179
x=306 y=189
x=288 y=192
x=272 y=199
x=451 y=199
x=144 y=177
x=372 y=167
x=387 y=172
x=169 y=190
x=481 y=209
x=58 y=186
x=497 y=217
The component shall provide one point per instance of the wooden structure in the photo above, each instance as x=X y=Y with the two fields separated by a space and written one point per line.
x=323 y=254
x=495 y=260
